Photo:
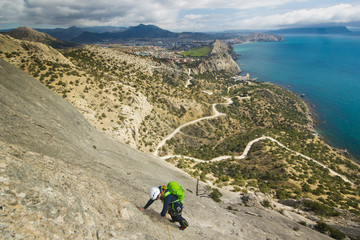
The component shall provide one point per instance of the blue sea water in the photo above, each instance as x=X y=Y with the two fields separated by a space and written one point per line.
x=324 y=68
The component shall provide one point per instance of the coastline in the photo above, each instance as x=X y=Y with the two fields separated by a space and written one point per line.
x=335 y=116
x=312 y=116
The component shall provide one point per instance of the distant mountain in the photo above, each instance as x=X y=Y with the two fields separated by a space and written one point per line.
x=29 y=34
x=89 y=35
x=147 y=31
x=67 y=34
x=103 y=29
x=140 y=31
x=313 y=30
x=63 y=34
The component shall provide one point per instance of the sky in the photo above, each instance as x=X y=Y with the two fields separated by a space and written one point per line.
x=180 y=15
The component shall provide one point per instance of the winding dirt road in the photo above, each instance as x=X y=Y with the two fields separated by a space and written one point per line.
x=248 y=146
x=217 y=114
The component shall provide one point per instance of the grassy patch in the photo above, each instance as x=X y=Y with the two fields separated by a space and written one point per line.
x=197 y=52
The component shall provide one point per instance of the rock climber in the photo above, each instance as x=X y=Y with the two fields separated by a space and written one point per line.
x=171 y=204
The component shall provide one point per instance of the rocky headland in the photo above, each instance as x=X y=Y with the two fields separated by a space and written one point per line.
x=221 y=58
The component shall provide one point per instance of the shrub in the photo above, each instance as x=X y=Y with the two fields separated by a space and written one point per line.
x=320 y=209
x=303 y=223
x=266 y=203
x=333 y=232
x=336 y=233
x=283 y=194
x=322 y=227
x=215 y=195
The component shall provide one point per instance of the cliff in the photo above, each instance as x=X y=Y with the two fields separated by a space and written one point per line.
x=221 y=58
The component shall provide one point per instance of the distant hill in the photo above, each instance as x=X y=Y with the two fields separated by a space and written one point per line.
x=313 y=30
x=140 y=31
x=67 y=34
x=103 y=29
x=29 y=34
x=62 y=33
x=60 y=37
x=148 y=31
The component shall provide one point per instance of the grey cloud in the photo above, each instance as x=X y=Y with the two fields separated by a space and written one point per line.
x=169 y=14
x=69 y=12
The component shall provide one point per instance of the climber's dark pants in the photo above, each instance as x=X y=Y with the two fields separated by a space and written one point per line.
x=175 y=213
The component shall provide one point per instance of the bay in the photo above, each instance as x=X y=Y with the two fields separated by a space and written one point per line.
x=326 y=68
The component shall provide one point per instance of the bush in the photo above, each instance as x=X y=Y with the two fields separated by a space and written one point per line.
x=266 y=203
x=283 y=194
x=320 y=209
x=303 y=223
x=322 y=227
x=215 y=195
x=333 y=232
x=336 y=233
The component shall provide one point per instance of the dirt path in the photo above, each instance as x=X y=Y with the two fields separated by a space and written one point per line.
x=247 y=148
x=216 y=114
x=189 y=80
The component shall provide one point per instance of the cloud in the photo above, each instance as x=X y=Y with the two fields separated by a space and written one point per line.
x=340 y=14
x=118 y=12
x=176 y=15
x=82 y=12
x=239 y=4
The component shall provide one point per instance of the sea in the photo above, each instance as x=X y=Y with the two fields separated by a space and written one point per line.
x=325 y=69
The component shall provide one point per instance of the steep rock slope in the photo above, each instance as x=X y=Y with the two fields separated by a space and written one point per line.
x=63 y=179
x=220 y=59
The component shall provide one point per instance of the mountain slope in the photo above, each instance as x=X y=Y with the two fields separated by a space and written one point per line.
x=63 y=179
x=140 y=31
x=29 y=34
x=20 y=51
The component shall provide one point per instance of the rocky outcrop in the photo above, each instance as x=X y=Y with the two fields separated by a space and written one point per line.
x=221 y=58
x=63 y=179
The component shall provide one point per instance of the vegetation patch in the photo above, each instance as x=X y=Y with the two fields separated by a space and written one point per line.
x=197 y=52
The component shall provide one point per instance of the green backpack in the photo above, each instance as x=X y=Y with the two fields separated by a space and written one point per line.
x=174 y=188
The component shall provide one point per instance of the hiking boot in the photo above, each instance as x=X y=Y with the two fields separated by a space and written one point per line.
x=181 y=228
x=172 y=221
